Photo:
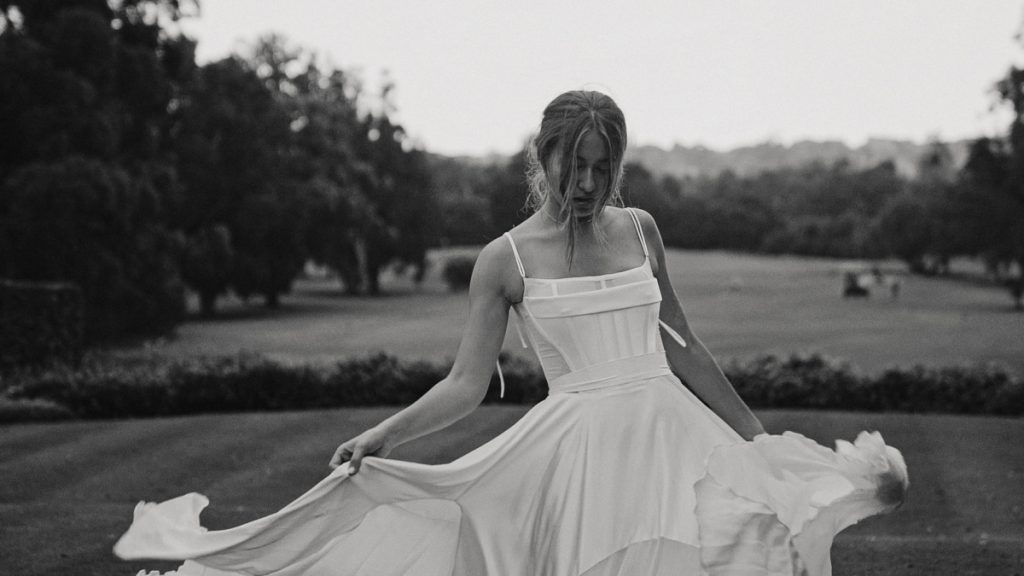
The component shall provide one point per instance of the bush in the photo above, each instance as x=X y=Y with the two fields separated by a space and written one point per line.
x=115 y=387
x=977 y=390
x=458 y=270
x=816 y=381
x=40 y=323
x=799 y=381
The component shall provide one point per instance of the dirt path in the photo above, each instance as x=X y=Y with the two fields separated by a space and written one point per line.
x=68 y=489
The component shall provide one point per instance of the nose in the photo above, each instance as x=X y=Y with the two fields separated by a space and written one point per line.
x=586 y=180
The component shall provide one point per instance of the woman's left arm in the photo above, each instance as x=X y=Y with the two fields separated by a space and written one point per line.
x=693 y=363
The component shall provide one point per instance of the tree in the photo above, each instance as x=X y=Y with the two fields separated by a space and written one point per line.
x=403 y=220
x=994 y=178
x=206 y=264
x=640 y=188
x=906 y=229
x=507 y=190
x=936 y=164
x=464 y=195
x=85 y=221
x=321 y=105
x=233 y=140
x=940 y=205
x=85 y=87
x=994 y=211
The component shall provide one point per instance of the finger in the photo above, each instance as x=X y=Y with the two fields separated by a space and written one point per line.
x=357 y=460
x=340 y=456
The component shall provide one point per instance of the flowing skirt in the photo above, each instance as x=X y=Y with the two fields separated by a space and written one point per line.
x=637 y=479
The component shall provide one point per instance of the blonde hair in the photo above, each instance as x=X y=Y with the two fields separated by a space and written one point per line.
x=566 y=120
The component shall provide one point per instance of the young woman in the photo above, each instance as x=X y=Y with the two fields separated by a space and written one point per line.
x=642 y=460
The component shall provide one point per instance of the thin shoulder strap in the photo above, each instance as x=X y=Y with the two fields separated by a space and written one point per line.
x=639 y=230
x=522 y=272
x=515 y=252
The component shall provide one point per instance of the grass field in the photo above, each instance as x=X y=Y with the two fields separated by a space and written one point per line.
x=69 y=488
x=739 y=305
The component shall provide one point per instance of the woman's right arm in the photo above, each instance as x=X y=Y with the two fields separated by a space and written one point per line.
x=464 y=387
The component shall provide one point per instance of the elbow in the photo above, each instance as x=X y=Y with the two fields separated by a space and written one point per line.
x=469 y=390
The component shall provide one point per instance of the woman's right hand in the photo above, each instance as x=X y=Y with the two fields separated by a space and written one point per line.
x=373 y=442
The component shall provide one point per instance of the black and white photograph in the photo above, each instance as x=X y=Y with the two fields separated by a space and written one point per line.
x=532 y=288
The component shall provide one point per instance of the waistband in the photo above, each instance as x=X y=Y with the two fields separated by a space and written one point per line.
x=612 y=373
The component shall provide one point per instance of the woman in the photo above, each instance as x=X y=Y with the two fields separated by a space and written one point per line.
x=621 y=470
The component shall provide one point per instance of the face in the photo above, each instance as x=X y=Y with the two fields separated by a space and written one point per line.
x=593 y=175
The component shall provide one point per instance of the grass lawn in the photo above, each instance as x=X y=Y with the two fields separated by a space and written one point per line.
x=69 y=488
x=739 y=305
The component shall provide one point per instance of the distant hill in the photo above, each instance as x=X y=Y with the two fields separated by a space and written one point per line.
x=682 y=161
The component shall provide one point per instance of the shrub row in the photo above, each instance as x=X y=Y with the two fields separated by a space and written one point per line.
x=113 y=387
x=817 y=381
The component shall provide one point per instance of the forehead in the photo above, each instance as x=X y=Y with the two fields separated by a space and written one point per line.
x=592 y=147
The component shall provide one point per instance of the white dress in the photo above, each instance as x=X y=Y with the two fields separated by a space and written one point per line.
x=620 y=471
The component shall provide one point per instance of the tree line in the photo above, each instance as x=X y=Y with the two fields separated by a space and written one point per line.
x=137 y=174
x=134 y=172
x=825 y=210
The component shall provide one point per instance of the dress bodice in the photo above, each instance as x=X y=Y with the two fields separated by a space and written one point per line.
x=594 y=330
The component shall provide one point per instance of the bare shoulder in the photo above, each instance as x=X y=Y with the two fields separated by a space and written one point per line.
x=622 y=222
x=647 y=223
x=495 y=271
x=496 y=253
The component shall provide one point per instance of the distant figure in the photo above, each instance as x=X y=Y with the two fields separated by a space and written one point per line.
x=894 y=287
x=623 y=470
x=853 y=287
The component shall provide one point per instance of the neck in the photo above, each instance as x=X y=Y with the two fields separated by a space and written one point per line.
x=550 y=210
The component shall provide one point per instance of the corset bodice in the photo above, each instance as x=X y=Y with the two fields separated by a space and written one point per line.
x=578 y=325
x=594 y=331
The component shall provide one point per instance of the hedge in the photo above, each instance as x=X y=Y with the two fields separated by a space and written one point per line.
x=141 y=386
x=40 y=323
x=458 y=271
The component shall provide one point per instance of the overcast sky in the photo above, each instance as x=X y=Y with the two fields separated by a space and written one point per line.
x=473 y=76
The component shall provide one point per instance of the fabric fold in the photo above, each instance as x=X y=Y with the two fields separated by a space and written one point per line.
x=572 y=488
